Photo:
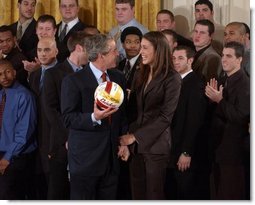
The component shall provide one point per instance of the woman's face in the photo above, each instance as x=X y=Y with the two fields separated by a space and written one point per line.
x=147 y=52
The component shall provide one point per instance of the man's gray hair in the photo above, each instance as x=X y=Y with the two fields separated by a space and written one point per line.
x=97 y=44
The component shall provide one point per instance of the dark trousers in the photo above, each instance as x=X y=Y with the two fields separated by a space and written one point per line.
x=16 y=183
x=228 y=182
x=94 y=187
x=147 y=175
x=58 y=187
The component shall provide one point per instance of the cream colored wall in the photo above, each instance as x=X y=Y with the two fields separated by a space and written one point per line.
x=225 y=11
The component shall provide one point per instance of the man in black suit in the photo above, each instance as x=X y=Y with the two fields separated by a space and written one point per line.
x=187 y=122
x=46 y=52
x=10 y=52
x=25 y=28
x=230 y=127
x=70 y=22
x=93 y=133
x=58 y=176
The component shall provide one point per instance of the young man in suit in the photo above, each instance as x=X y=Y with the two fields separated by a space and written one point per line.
x=93 y=133
x=230 y=128
x=17 y=141
x=187 y=122
x=58 y=176
x=47 y=52
x=25 y=27
x=70 y=22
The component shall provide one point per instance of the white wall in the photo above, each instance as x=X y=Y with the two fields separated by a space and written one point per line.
x=225 y=11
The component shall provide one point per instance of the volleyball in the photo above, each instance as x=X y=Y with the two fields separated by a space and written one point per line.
x=109 y=94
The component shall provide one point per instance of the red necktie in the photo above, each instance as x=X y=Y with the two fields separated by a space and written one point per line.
x=2 y=105
x=103 y=76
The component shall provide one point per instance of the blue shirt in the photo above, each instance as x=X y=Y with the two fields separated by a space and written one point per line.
x=19 y=122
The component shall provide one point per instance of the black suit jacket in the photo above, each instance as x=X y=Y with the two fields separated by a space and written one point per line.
x=63 y=51
x=51 y=97
x=29 y=40
x=188 y=118
x=91 y=149
x=155 y=109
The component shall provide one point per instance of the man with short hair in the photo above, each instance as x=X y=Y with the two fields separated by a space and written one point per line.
x=25 y=27
x=171 y=37
x=125 y=16
x=70 y=22
x=230 y=127
x=17 y=141
x=165 y=20
x=93 y=133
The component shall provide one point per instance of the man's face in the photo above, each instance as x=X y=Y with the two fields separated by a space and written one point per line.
x=164 y=22
x=232 y=33
x=202 y=11
x=69 y=10
x=201 y=37
x=7 y=42
x=230 y=62
x=181 y=63
x=45 y=29
x=7 y=75
x=46 y=51
x=27 y=9
x=124 y=13
x=132 y=45
x=110 y=59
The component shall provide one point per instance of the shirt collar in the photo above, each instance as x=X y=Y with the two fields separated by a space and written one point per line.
x=70 y=24
x=25 y=24
x=45 y=67
x=97 y=73
x=185 y=74
x=74 y=67
x=133 y=60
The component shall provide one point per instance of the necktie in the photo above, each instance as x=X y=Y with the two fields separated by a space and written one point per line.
x=41 y=79
x=117 y=35
x=19 y=33
x=2 y=105
x=103 y=76
x=127 y=69
x=63 y=33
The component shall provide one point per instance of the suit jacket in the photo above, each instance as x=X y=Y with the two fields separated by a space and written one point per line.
x=188 y=119
x=29 y=39
x=91 y=148
x=208 y=64
x=134 y=68
x=63 y=51
x=155 y=109
x=230 y=126
x=16 y=58
x=51 y=101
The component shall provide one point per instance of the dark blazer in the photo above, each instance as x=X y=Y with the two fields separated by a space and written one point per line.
x=231 y=120
x=155 y=109
x=16 y=58
x=29 y=39
x=134 y=68
x=208 y=64
x=90 y=147
x=63 y=51
x=51 y=101
x=188 y=118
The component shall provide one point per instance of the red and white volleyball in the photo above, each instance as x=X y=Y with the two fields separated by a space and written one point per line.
x=109 y=94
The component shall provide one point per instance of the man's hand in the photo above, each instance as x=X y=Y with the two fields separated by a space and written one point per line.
x=3 y=165
x=212 y=91
x=31 y=66
x=101 y=114
x=183 y=162
x=123 y=153
x=127 y=139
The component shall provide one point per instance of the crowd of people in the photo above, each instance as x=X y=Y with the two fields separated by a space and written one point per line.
x=181 y=133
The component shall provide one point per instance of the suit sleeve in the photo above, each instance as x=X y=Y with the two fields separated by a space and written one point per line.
x=71 y=107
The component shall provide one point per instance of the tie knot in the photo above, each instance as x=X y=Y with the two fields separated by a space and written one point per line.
x=103 y=76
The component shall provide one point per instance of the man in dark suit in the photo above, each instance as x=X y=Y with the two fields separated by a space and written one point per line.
x=187 y=122
x=93 y=133
x=230 y=127
x=58 y=175
x=10 y=52
x=25 y=28
x=46 y=52
x=70 y=22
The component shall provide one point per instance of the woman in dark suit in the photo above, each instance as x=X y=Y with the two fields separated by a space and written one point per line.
x=156 y=93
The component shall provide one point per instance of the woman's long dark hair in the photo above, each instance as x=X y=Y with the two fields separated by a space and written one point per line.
x=163 y=61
